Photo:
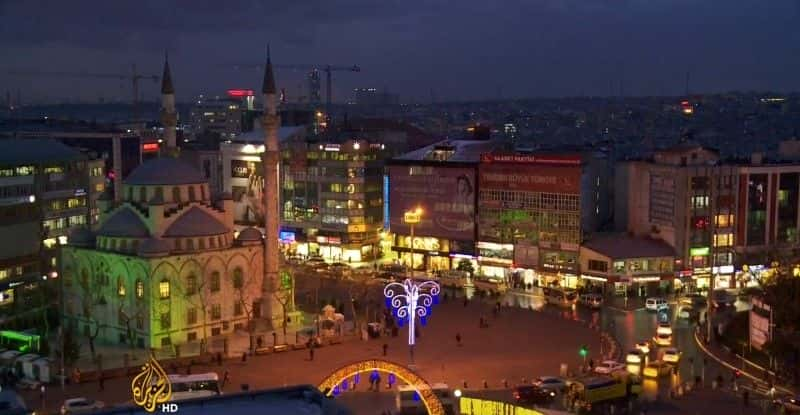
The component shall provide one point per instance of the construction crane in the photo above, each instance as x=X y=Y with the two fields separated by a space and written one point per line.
x=328 y=69
x=134 y=77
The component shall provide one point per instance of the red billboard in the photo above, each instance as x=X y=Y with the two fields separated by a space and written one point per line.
x=446 y=196
x=530 y=177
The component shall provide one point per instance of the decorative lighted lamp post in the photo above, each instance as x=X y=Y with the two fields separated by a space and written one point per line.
x=409 y=300
x=411 y=218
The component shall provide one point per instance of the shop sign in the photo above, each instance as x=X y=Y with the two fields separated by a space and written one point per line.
x=706 y=270
x=646 y=279
x=685 y=273
x=569 y=246
x=593 y=278
x=699 y=251
x=333 y=240
x=287 y=237
x=725 y=269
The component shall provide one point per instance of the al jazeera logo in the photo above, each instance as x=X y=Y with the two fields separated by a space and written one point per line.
x=151 y=388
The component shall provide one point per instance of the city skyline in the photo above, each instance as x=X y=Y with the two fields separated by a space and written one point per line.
x=440 y=52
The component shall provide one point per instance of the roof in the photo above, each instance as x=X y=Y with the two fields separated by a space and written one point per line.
x=164 y=171
x=466 y=151
x=304 y=399
x=17 y=151
x=268 y=87
x=166 y=79
x=196 y=222
x=249 y=234
x=621 y=246
x=81 y=236
x=124 y=223
x=257 y=136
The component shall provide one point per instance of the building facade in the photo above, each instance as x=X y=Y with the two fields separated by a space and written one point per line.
x=47 y=189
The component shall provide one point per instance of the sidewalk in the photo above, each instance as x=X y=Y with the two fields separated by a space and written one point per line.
x=749 y=369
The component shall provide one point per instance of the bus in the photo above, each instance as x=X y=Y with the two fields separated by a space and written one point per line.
x=201 y=385
x=560 y=297
x=409 y=402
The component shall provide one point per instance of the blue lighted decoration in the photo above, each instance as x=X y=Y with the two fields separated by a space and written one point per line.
x=411 y=299
x=345 y=385
x=416 y=396
x=357 y=378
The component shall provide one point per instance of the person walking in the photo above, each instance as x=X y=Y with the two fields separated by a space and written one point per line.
x=100 y=382
x=385 y=348
x=225 y=379
x=458 y=339
x=311 y=354
x=219 y=358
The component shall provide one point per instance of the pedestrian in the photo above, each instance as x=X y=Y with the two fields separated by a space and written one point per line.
x=480 y=324
x=591 y=364
x=466 y=301
x=225 y=379
x=100 y=382
x=311 y=354
x=458 y=339
x=219 y=358
x=244 y=357
x=385 y=347
x=378 y=381
x=189 y=368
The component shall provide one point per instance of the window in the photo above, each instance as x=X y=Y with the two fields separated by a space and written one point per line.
x=191 y=284
x=121 y=286
x=191 y=316
x=238 y=279
x=191 y=336
x=216 y=312
x=214 y=283
x=163 y=289
x=216 y=331
x=619 y=266
x=237 y=309
x=139 y=289
x=165 y=341
x=191 y=194
x=601 y=266
x=166 y=320
x=140 y=322
x=724 y=220
x=143 y=194
x=724 y=239
x=122 y=319
x=176 y=194
x=189 y=244
x=699 y=202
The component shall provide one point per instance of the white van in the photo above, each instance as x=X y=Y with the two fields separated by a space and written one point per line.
x=656 y=304
x=560 y=297
x=409 y=402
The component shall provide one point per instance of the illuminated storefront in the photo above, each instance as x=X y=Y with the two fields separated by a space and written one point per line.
x=495 y=259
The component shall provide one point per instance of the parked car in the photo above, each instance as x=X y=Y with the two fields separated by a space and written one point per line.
x=591 y=300
x=644 y=346
x=685 y=312
x=551 y=383
x=663 y=339
x=664 y=328
x=789 y=405
x=671 y=355
x=81 y=406
x=657 y=369
x=693 y=300
x=656 y=304
x=532 y=395
x=608 y=367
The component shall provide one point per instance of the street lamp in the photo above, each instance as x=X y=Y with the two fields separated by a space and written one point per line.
x=411 y=218
x=411 y=299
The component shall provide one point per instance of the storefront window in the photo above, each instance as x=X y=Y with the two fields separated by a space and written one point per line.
x=619 y=267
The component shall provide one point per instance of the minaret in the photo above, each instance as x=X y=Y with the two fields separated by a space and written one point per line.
x=270 y=159
x=169 y=118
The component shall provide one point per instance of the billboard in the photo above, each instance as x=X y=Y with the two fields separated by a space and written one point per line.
x=530 y=177
x=247 y=191
x=445 y=194
x=760 y=315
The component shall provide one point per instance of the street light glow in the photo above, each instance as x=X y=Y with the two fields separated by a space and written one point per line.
x=411 y=299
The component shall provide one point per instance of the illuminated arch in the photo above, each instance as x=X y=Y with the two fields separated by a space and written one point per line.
x=429 y=399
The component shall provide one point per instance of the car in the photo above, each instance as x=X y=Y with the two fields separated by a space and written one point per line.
x=341 y=269
x=663 y=339
x=532 y=395
x=685 y=312
x=664 y=328
x=550 y=383
x=693 y=300
x=657 y=369
x=644 y=346
x=81 y=406
x=789 y=405
x=722 y=298
x=671 y=355
x=591 y=300
x=608 y=367
x=656 y=304
x=636 y=357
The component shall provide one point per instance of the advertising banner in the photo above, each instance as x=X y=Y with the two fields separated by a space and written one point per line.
x=759 y=323
x=446 y=196
x=528 y=177
x=247 y=192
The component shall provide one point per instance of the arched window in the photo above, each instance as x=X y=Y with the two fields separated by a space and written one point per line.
x=212 y=242
x=130 y=193
x=191 y=284
x=203 y=191
x=84 y=279
x=238 y=278
x=121 y=286
x=123 y=245
x=143 y=194
x=163 y=289
x=177 y=244
x=201 y=244
x=160 y=193
x=191 y=194
x=214 y=284
x=139 y=289
x=189 y=244
x=176 y=194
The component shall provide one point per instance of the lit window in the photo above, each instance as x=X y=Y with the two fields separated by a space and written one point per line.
x=214 y=283
x=121 y=287
x=725 y=239
x=139 y=289
x=163 y=289
x=191 y=285
x=216 y=312
x=238 y=278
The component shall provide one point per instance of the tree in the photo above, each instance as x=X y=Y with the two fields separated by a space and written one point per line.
x=465 y=265
x=284 y=295
x=245 y=290
x=197 y=292
x=781 y=291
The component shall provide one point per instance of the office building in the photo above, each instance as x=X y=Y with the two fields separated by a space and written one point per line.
x=217 y=115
